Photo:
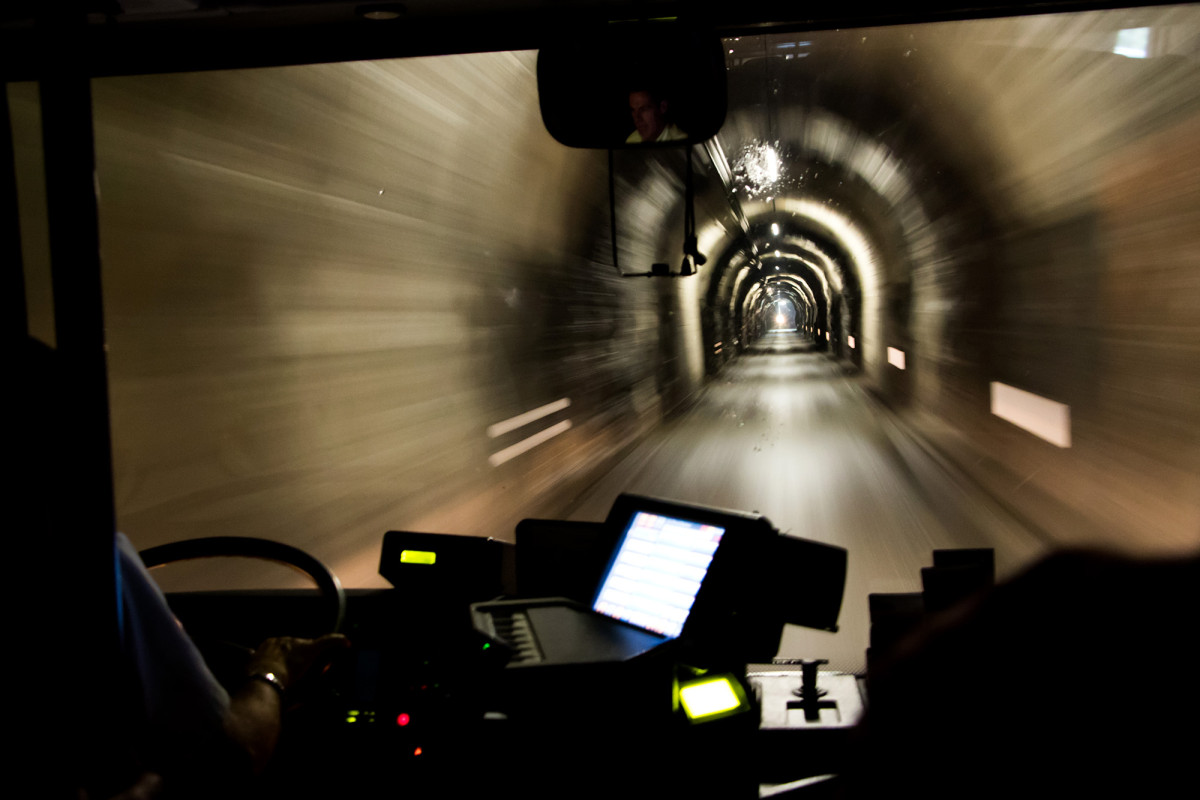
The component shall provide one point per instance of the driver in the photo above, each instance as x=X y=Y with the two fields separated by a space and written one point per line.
x=652 y=119
x=189 y=730
x=176 y=729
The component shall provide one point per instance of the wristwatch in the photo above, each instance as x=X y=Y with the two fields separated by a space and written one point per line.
x=269 y=678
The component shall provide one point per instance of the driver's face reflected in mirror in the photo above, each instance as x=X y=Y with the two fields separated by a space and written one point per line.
x=652 y=119
x=632 y=86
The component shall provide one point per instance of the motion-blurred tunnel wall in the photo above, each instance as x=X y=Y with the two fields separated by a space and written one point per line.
x=352 y=297
x=1006 y=202
x=348 y=298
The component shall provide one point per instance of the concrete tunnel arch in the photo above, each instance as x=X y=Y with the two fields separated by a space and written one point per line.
x=850 y=208
x=770 y=283
x=860 y=198
x=757 y=306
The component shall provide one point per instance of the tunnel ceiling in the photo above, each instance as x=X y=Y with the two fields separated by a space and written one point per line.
x=322 y=30
x=814 y=165
x=848 y=155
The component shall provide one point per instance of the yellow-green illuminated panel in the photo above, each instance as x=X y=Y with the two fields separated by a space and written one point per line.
x=417 y=557
x=711 y=698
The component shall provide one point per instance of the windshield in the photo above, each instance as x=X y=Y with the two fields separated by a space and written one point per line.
x=950 y=299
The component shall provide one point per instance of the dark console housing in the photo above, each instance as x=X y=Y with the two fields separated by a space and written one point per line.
x=758 y=580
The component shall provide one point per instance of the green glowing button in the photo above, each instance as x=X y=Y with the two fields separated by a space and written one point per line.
x=711 y=698
x=417 y=557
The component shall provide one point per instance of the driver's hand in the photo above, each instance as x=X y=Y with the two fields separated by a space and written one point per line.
x=294 y=660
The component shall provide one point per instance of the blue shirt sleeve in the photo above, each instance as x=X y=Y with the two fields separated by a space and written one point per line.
x=183 y=704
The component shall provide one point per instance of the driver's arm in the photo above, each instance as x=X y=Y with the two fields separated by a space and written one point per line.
x=190 y=727
x=255 y=710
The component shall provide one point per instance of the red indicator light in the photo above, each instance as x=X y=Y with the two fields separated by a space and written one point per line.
x=403 y=720
x=418 y=751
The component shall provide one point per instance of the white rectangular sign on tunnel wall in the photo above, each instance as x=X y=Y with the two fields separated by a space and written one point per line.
x=896 y=357
x=1042 y=417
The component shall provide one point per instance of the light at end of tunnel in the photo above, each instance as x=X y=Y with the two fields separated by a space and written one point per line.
x=851 y=340
x=774 y=228
x=1042 y=417
x=427 y=557
x=896 y=358
x=712 y=698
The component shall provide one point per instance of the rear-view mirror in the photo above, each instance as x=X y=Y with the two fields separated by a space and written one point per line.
x=633 y=85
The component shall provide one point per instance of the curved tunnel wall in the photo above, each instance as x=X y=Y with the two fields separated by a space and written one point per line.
x=1089 y=295
x=1017 y=201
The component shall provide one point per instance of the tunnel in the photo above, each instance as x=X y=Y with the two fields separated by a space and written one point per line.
x=950 y=297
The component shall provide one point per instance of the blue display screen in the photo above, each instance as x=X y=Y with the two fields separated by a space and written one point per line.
x=655 y=575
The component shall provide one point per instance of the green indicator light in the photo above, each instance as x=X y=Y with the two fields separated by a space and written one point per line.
x=487 y=646
x=712 y=698
x=417 y=557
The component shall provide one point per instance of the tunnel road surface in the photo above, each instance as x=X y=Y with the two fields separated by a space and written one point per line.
x=788 y=433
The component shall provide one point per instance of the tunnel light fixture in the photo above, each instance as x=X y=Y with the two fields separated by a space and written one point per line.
x=381 y=11
x=774 y=228
x=896 y=358
x=525 y=445
x=1044 y=418
x=851 y=340
x=1133 y=43
x=521 y=420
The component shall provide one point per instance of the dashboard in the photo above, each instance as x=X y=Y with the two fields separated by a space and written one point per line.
x=431 y=699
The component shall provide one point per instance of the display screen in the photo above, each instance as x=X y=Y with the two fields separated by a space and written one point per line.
x=654 y=577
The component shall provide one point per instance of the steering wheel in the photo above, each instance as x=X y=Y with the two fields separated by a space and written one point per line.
x=333 y=595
